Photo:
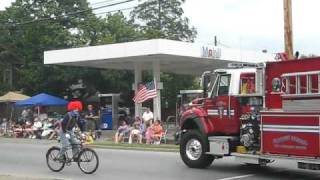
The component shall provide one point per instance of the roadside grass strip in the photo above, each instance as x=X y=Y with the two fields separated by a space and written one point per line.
x=100 y=144
x=142 y=147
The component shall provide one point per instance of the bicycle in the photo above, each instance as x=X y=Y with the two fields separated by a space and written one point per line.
x=86 y=156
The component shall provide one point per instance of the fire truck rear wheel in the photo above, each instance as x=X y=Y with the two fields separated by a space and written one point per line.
x=193 y=146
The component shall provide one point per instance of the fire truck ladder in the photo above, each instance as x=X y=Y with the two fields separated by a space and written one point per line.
x=310 y=89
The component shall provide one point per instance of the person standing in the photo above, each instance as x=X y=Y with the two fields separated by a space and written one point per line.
x=147 y=117
x=91 y=120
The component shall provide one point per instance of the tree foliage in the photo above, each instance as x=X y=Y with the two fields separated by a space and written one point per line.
x=30 y=27
x=30 y=36
x=164 y=19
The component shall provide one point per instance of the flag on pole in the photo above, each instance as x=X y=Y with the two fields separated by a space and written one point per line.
x=145 y=92
x=282 y=56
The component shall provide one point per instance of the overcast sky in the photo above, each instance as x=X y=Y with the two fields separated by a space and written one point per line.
x=248 y=24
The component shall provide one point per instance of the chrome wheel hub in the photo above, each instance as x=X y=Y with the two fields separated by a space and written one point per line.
x=193 y=149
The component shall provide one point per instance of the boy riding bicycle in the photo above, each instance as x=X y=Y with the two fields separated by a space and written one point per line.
x=68 y=124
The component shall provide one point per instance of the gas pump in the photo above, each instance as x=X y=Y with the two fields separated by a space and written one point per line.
x=109 y=105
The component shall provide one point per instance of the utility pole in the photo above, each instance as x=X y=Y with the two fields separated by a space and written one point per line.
x=159 y=10
x=215 y=41
x=287 y=5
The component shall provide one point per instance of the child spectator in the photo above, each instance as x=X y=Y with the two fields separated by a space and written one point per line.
x=121 y=132
x=157 y=131
x=87 y=138
x=136 y=132
x=154 y=132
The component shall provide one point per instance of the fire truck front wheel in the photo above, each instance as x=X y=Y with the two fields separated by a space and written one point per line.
x=193 y=146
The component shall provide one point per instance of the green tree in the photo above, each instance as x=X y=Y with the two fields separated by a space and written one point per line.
x=31 y=27
x=9 y=63
x=164 y=19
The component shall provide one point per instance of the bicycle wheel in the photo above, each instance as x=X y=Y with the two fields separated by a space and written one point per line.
x=88 y=161
x=53 y=161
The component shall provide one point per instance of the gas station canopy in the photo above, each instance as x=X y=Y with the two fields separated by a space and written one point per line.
x=156 y=55
x=173 y=56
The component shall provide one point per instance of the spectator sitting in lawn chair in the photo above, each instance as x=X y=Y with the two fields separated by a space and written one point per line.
x=48 y=128
x=37 y=128
x=154 y=133
x=122 y=131
x=56 y=129
x=87 y=138
x=18 y=130
x=137 y=132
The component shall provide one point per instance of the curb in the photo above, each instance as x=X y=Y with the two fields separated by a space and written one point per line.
x=99 y=146
x=135 y=148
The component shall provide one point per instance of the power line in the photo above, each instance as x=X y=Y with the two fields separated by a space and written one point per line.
x=70 y=14
x=123 y=9
x=114 y=4
x=101 y=2
x=105 y=12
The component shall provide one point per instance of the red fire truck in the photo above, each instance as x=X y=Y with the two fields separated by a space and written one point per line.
x=257 y=113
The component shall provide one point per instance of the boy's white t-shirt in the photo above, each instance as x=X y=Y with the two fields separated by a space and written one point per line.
x=147 y=116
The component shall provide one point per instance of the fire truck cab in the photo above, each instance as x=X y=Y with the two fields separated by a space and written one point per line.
x=257 y=113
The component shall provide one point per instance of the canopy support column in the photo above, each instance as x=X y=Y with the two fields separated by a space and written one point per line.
x=157 y=100
x=137 y=80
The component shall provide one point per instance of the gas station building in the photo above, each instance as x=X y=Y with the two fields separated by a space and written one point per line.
x=158 y=55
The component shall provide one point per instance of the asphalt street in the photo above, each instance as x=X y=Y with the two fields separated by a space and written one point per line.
x=26 y=160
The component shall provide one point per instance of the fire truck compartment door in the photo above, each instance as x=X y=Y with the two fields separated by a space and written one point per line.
x=219 y=146
x=291 y=134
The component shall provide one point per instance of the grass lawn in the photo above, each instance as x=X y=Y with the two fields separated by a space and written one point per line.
x=148 y=147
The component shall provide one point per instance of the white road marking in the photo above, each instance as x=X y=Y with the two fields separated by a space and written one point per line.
x=237 y=177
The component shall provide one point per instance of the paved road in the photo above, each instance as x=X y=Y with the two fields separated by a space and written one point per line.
x=27 y=159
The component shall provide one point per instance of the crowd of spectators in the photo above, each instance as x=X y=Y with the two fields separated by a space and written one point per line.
x=35 y=123
x=31 y=124
x=142 y=129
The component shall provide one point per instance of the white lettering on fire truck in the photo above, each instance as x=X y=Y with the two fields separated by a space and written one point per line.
x=279 y=142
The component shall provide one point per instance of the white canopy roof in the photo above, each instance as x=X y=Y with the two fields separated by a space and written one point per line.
x=173 y=56
x=158 y=55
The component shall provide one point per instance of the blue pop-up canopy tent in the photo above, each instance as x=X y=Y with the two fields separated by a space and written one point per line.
x=42 y=100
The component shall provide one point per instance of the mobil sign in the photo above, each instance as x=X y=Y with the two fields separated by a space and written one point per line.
x=211 y=52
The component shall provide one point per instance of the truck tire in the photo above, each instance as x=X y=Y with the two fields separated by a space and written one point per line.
x=193 y=146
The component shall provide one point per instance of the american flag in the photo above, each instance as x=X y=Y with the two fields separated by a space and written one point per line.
x=145 y=92
x=282 y=56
